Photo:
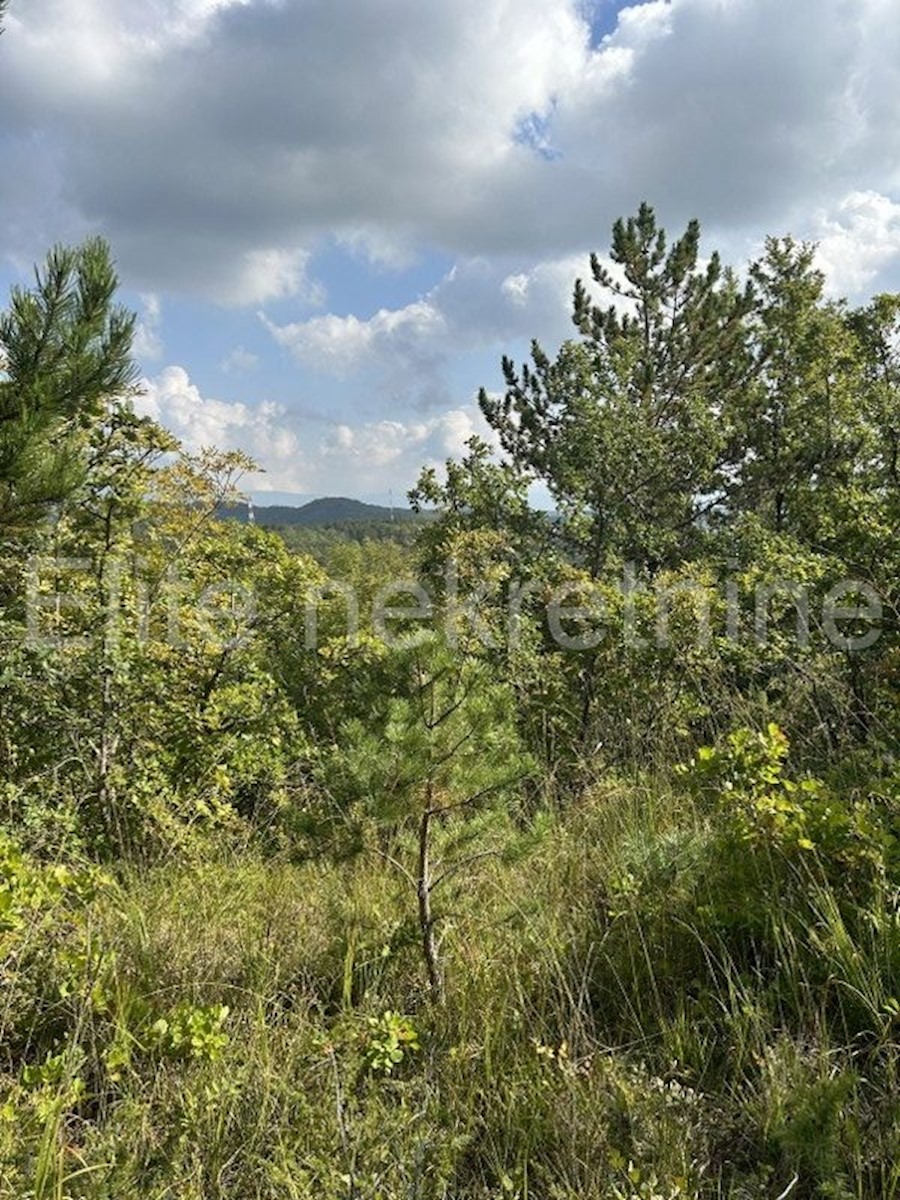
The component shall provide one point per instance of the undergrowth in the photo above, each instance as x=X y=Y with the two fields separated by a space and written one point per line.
x=682 y=991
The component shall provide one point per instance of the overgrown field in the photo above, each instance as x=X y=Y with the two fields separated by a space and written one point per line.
x=642 y=1001
x=553 y=855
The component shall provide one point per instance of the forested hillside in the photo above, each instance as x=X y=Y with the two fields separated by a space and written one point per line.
x=536 y=855
x=327 y=529
x=326 y=511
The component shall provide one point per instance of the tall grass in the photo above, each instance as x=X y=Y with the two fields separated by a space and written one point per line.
x=628 y=1014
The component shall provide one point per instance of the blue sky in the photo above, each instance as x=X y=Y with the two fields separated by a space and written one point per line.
x=334 y=219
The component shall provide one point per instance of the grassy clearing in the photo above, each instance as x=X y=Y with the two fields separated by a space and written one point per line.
x=620 y=1021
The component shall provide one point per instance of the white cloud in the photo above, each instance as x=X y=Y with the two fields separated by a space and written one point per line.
x=262 y=431
x=295 y=456
x=859 y=241
x=344 y=345
x=406 y=352
x=240 y=359
x=218 y=142
x=380 y=247
x=206 y=139
x=271 y=274
x=148 y=346
x=372 y=456
x=395 y=444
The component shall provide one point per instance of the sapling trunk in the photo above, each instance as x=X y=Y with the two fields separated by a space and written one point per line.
x=426 y=917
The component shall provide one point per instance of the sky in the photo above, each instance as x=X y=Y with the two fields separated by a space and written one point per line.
x=334 y=218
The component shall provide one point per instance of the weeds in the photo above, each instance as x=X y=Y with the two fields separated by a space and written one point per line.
x=645 y=1004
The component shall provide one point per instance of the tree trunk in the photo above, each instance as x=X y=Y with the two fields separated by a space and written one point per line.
x=426 y=917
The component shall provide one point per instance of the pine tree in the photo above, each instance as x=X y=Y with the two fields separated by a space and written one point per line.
x=800 y=429
x=65 y=353
x=434 y=768
x=625 y=427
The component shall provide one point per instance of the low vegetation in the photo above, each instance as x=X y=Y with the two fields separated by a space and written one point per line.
x=568 y=869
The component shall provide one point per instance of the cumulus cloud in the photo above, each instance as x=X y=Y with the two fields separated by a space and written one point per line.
x=344 y=345
x=222 y=144
x=406 y=351
x=262 y=431
x=295 y=454
x=403 y=351
x=859 y=242
x=216 y=142
x=371 y=456
x=202 y=137
x=403 y=447
x=747 y=113
x=272 y=274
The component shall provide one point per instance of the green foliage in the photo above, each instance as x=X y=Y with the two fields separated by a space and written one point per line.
x=445 y=739
x=432 y=768
x=65 y=352
x=767 y=810
x=388 y=1040
x=562 y=1062
x=146 y=702
x=623 y=427
x=29 y=889
x=327 y=543
x=191 y=1032
x=642 y=981
x=801 y=429
x=49 y=960
x=733 y=436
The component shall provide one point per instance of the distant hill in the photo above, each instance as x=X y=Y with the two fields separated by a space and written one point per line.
x=330 y=510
